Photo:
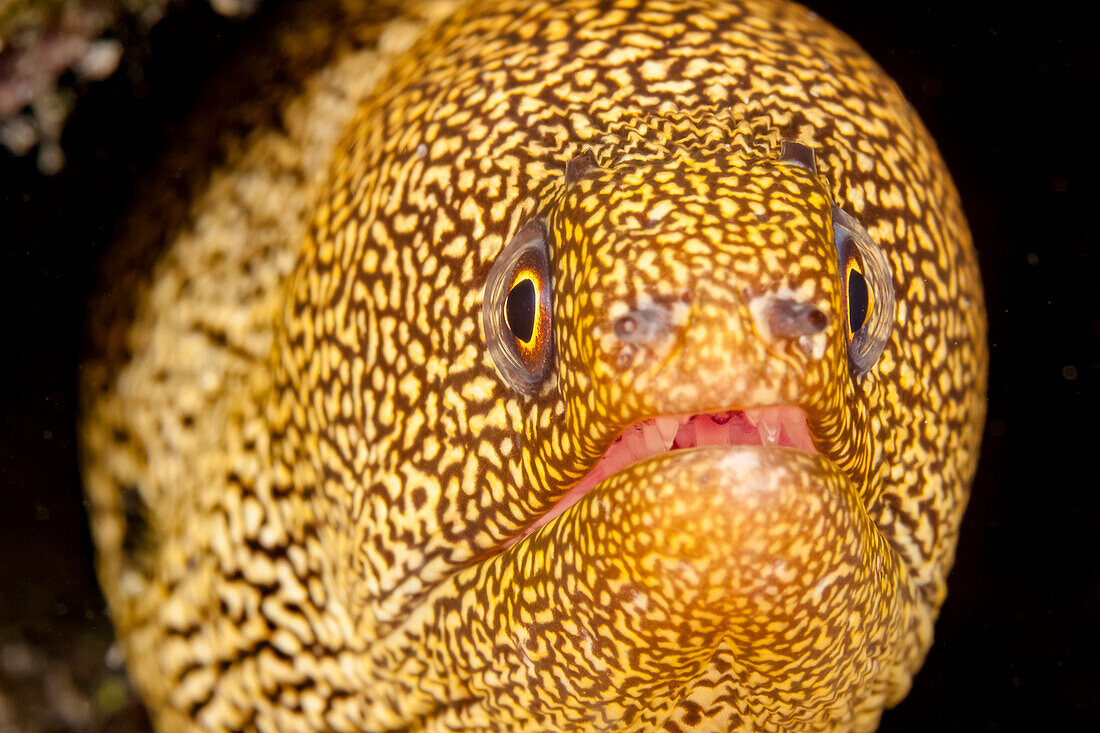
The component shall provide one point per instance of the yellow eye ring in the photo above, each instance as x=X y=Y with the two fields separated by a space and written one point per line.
x=516 y=311
x=867 y=289
x=858 y=298
x=522 y=305
x=527 y=311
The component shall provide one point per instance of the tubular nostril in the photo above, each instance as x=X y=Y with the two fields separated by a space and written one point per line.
x=791 y=319
x=578 y=165
x=817 y=320
x=799 y=154
x=642 y=326
x=626 y=327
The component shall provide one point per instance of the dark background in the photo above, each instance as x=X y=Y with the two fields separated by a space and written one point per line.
x=1006 y=95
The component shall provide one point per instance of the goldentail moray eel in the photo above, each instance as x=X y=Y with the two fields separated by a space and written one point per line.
x=544 y=366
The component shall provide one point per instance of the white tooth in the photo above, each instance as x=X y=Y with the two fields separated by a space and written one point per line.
x=685 y=436
x=635 y=440
x=799 y=433
x=790 y=422
x=667 y=427
x=768 y=423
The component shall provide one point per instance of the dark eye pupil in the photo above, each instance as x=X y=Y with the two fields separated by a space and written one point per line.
x=520 y=310
x=857 y=300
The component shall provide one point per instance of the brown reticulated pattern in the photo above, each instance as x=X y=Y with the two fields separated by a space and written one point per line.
x=347 y=573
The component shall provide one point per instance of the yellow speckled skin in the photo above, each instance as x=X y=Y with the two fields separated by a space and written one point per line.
x=305 y=463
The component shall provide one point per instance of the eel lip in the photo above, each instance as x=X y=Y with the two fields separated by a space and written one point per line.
x=776 y=426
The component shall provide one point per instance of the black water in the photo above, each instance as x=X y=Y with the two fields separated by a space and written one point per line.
x=1005 y=92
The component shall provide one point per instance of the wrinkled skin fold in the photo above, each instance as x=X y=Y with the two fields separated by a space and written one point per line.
x=310 y=476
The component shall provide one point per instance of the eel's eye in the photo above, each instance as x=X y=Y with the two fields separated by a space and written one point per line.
x=522 y=309
x=859 y=298
x=516 y=309
x=527 y=311
x=868 y=291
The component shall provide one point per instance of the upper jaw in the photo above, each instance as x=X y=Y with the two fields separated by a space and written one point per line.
x=777 y=426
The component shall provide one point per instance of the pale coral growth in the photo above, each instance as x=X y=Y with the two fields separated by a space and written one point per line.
x=43 y=40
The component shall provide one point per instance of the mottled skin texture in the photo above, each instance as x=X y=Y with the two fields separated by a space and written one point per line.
x=303 y=466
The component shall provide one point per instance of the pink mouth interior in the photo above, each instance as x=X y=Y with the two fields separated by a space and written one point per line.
x=768 y=426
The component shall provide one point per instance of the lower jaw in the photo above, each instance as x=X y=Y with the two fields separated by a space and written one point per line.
x=639 y=585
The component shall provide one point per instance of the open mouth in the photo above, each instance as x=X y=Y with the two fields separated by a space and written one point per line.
x=779 y=426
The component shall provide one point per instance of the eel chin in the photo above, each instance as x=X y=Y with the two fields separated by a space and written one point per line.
x=735 y=570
